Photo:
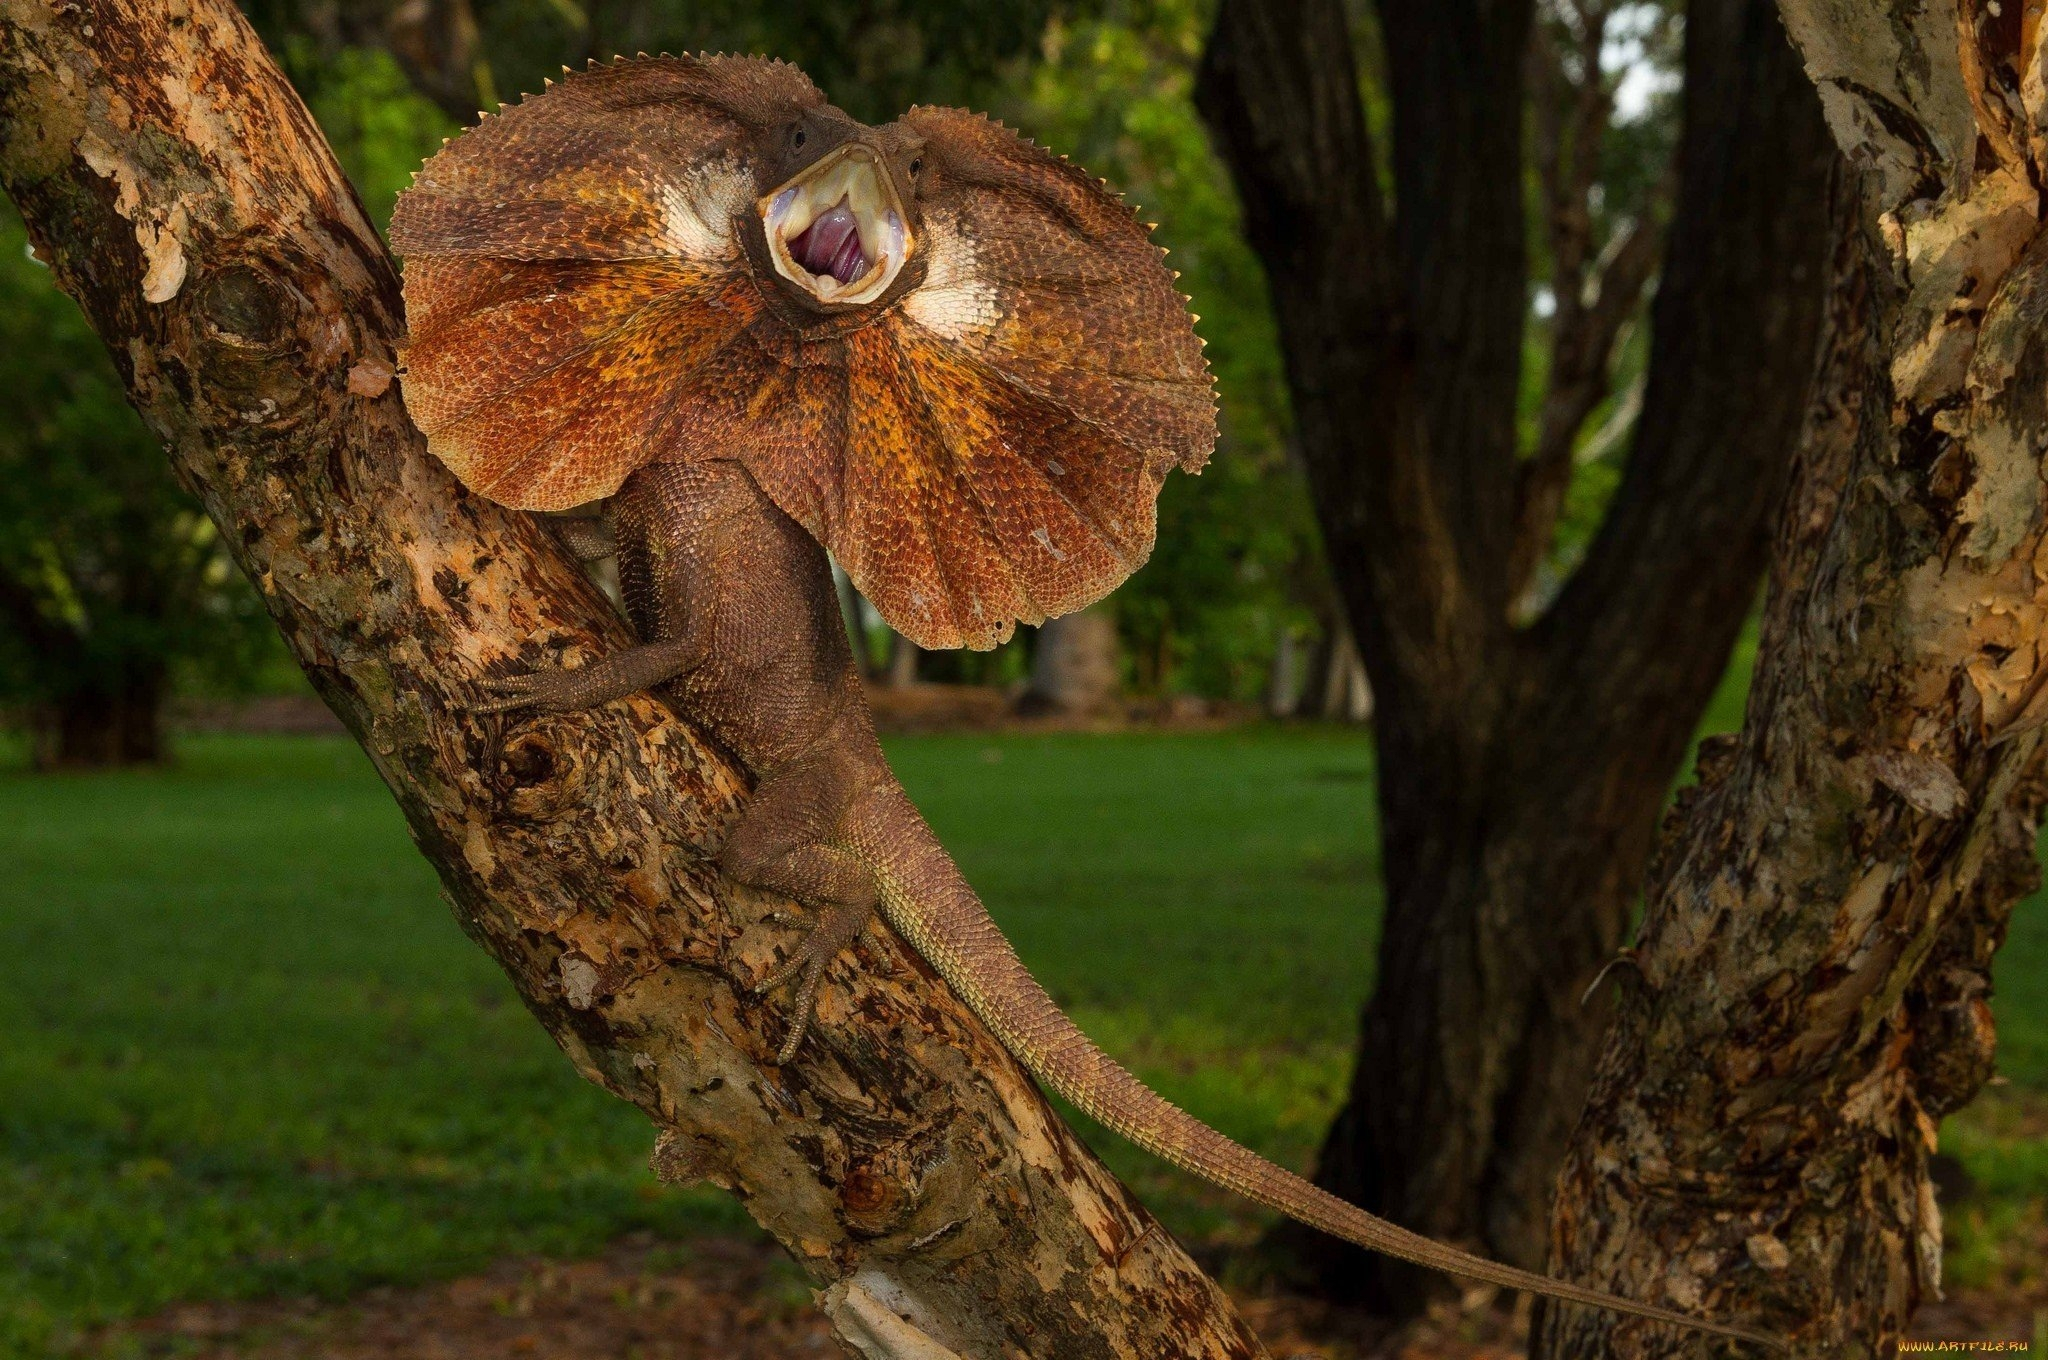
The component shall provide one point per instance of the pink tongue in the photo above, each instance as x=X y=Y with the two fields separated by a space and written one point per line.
x=831 y=245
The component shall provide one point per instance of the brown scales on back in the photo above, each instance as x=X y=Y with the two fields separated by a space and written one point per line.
x=693 y=287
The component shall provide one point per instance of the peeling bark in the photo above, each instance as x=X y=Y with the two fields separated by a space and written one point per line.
x=181 y=193
x=1814 y=968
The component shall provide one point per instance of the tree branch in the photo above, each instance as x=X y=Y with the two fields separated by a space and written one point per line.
x=1583 y=336
x=182 y=194
x=1735 y=329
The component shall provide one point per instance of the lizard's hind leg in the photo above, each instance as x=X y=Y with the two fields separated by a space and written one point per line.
x=781 y=843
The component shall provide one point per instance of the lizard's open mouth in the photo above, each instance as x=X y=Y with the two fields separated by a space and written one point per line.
x=837 y=231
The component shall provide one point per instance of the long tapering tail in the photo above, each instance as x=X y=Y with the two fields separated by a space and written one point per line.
x=930 y=904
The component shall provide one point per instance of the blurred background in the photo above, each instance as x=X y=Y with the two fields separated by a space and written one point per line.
x=259 y=1096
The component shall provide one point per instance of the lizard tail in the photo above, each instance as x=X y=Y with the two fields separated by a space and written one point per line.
x=930 y=904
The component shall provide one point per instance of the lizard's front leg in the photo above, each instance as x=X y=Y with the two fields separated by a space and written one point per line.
x=555 y=690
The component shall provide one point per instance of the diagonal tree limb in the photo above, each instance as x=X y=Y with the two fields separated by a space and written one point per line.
x=183 y=196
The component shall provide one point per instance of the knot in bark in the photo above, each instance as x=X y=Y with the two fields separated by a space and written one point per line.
x=541 y=780
x=872 y=1201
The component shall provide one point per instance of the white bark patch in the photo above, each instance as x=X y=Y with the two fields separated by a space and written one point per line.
x=1956 y=258
x=163 y=249
x=167 y=264
x=2004 y=433
x=1921 y=780
x=1862 y=907
x=1927 y=1242
x=1767 y=1252
x=700 y=209
x=579 y=981
x=955 y=301
x=872 y=1313
x=1848 y=54
x=477 y=852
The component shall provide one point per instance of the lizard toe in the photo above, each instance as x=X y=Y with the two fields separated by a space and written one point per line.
x=805 y=1005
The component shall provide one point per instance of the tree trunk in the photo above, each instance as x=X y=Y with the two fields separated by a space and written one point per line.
x=1809 y=995
x=1345 y=694
x=1522 y=769
x=180 y=192
x=1074 y=667
x=903 y=655
x=1283 y=677
x=102 y=728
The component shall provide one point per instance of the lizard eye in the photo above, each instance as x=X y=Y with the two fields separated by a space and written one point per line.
x=916 y=164
x=797 y=138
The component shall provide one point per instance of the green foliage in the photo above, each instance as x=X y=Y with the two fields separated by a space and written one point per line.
x=111 y=580
x=380 y=128
x=1236 y=559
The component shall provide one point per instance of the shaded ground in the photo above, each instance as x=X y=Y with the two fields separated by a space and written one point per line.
x=728 y=1298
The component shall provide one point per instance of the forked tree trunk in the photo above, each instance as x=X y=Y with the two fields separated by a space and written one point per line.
x=181 y=193
x=1522 y=769
x=1809 y=996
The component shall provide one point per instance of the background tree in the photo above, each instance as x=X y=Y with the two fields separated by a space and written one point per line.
x=113 y=584
x=1523 y=760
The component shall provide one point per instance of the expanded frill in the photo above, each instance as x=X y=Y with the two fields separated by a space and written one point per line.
x=953 y=357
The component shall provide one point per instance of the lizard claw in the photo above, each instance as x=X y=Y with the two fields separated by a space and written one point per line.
x=806 y=967
x=530 y=689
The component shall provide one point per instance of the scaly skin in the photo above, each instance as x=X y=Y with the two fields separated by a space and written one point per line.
x=610 y=295
x=743 y=630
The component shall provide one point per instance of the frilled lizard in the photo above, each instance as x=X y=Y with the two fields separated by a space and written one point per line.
x=761 y=329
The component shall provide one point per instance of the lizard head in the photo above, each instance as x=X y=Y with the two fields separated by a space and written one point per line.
x=953 y=357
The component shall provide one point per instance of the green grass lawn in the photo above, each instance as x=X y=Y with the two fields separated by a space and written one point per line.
x=248 y=1052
